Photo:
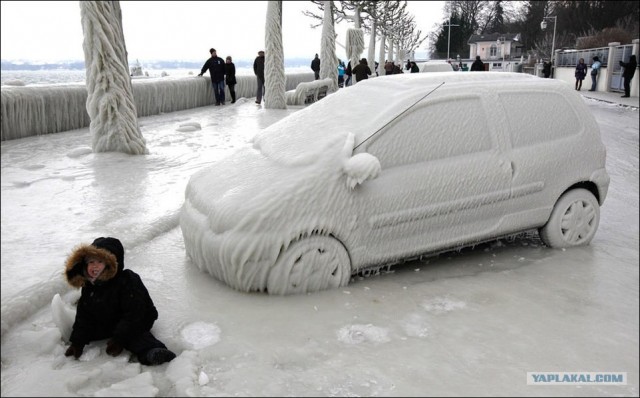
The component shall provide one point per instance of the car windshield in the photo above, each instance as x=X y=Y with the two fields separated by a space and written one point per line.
x=323 y=127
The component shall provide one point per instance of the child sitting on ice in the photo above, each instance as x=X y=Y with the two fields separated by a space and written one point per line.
x=114 y=304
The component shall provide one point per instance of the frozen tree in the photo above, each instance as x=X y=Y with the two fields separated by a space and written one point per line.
x=110 y=103
x=381 y=58
x=275 y=79
x=329 y=63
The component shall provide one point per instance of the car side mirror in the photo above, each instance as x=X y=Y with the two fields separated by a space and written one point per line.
x=361 y=167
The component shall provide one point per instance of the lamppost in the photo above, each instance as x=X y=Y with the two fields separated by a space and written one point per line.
x=449 y=38
x=543 y=26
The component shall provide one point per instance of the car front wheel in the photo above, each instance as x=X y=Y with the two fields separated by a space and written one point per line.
x=308 y=265
x=574 y=220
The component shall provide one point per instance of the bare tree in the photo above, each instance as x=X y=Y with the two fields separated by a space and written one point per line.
x=275 y=78
x=329 y=63
x=110 y=102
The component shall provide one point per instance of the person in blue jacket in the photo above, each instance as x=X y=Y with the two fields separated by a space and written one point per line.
x=595 y=69
x=114 y=304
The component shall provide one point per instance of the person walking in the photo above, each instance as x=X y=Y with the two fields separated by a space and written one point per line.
x=215 y=65
x=362 y=70
x=477 y=65
x=258 y=70
x=629 y=71
x=581 y=72
x=595 y=67
x=230 y=74
x=114 y=304
x=315 y=67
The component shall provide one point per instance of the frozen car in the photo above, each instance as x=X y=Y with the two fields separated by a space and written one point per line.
x=435 y=66
x=392 y=168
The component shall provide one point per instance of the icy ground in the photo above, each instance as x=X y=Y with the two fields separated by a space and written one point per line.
x=469 y=323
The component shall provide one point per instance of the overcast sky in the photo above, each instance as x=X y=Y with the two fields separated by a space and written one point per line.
x=184 y=30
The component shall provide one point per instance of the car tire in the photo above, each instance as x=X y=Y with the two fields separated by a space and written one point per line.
x=573 y=221
x=310 y=264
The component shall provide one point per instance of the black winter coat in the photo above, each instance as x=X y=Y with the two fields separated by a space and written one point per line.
x=629 y=67
x=258 y=67
x=230 y=72
x=216 y=69
x=117 y=305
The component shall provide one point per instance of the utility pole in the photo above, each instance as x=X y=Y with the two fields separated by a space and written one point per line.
x=449 y=38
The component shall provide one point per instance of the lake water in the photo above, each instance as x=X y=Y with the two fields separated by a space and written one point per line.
x=65 y=76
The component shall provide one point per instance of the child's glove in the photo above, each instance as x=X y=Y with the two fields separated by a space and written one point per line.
x=113 y=348
x=75 y=350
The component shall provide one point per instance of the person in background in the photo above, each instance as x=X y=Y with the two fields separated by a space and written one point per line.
x=315 y=67
x=388 y=68
x=340 y=73
x=114 y=304
x=230 y=73
x=397 y=69
x=581 y=72
x=629 y=71
x=546 y=69
x=408 y=65
x=477 y=65
x=414 y=67
x=349 y=74
x=362 y=70
x=595 y=67
x=258 y=70
x=215 y=65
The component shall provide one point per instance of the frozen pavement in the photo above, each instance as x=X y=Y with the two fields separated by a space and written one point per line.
x=468 y=323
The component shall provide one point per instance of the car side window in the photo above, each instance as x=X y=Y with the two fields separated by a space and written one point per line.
x=538 y=117
x=434 y=130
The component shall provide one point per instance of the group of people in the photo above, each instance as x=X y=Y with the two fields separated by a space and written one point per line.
x=224 y=72
x=627 y=74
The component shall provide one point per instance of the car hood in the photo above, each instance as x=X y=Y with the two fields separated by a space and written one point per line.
x=250 y=190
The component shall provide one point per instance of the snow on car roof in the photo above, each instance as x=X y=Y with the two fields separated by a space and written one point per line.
x=364 y=108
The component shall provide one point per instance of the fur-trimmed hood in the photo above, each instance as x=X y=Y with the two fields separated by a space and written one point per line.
x=109 y=250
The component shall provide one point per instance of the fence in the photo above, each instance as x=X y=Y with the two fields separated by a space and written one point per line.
x=28 y=111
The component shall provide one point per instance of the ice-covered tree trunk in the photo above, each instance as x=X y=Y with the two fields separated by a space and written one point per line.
x=381 y=58
x=329 y=63
x=110 y=103
x=391 y=58
x=355 y=41
x=371 y=54
x=355 y=46
x=275 y=79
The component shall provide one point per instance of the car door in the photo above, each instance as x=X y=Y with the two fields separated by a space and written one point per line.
x=443 y=182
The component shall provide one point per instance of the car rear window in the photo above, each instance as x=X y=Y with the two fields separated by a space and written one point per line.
x=536 y=117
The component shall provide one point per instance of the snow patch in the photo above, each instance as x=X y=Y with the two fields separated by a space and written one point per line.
x=191 y=126
x=357 y=334
x=441 y=305
x=200 y=335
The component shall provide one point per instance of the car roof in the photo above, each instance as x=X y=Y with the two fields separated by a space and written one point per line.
x=370 y=104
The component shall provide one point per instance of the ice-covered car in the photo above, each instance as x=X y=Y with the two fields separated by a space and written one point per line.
x=435 y=66
x=392 y=168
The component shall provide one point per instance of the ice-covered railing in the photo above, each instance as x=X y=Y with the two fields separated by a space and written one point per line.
x=38 y=110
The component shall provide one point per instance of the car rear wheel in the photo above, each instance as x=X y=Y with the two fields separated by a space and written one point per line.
x=574 y=220
x=310 y=264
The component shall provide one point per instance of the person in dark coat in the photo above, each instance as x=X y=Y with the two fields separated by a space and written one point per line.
x=215 y=65
x=414 y=67
x=230 y=73
x=629 y=71
x=114 y=304
x=477 y=65
x=258 y=70
x=581 y=72
x=315 y=67
x=546 y=69
x=362 y=70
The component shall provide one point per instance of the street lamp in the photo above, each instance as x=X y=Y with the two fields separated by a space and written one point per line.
x=449 y=38
x=543 y=26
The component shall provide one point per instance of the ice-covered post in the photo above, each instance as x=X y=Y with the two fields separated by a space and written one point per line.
x=381 y=58
x=371 y=56
x=355 y=41
x=329 y=61
x=275 y=80
x=110 y=103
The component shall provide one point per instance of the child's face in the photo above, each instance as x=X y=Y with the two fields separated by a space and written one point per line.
x=94 y=267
